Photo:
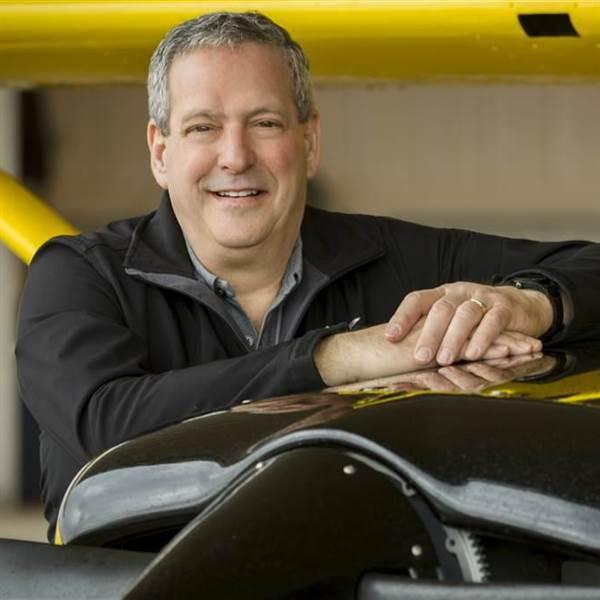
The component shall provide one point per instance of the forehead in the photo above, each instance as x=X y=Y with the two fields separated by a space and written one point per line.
x=223 y=77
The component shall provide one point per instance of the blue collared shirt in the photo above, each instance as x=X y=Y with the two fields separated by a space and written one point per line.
x=276 y=325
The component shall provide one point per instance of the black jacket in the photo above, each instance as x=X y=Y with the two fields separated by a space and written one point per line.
x=117 y=337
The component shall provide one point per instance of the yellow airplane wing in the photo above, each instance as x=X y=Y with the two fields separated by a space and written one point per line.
x=88 y=42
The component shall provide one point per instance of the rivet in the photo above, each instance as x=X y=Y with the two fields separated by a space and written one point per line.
x=407 y=489
x=416 y=550
x=349 y=470
x=259 y=465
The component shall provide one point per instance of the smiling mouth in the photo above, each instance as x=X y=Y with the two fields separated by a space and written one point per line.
x=237 y=193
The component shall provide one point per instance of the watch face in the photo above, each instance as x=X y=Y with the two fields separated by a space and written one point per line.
x=541 y=283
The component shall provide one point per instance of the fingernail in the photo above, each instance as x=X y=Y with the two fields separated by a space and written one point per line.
x=472 y=352
x=423 y=354
x=393 y=330
x=445 y=356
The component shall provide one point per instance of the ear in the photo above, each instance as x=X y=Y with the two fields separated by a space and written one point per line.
x=157 y=144
x=312 y=141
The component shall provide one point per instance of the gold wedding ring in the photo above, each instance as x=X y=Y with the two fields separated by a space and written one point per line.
x=482 y=305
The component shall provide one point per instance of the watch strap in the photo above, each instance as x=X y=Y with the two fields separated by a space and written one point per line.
x=551 y=290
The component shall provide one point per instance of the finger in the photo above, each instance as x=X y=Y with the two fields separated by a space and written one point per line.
x=505 y=362
x=411 y=309
x=538 y=365
x=432 y=380
x=434 y=329
x=509 y=343
x=495 y=351
x=462 y=379
x=517 y=335
x=465 y=319
x=519 y=343
x=492 y=324
x=404 y=386
x=488 y=372
x=515 y=361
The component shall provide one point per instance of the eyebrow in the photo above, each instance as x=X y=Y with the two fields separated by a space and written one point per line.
x=264 y=109
x=207 y=114
x=210 y=114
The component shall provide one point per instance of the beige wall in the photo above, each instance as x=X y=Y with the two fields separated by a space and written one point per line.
x=510 y=159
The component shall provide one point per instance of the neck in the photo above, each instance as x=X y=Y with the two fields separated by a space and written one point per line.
x=254 y=273
x=248 y=269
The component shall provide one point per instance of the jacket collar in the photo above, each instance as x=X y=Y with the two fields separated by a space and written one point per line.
x=158 y=246
x=336 y=243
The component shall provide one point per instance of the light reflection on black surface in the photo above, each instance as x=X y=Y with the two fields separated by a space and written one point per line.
x=464 y=377
x=453 y=438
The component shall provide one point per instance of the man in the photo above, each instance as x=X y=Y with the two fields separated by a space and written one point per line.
x=233 y=290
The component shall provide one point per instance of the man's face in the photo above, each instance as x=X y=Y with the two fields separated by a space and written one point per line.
x=236 y=159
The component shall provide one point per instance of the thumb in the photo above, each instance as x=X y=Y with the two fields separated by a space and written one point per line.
x=411 y=309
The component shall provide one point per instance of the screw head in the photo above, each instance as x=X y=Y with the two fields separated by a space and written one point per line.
x=416 y=550
x=349 y=470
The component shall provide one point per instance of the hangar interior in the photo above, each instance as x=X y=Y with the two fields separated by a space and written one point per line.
x=518 y=159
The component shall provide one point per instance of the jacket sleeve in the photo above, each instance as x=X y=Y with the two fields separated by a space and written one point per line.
x=437 y=256
x=85 y=376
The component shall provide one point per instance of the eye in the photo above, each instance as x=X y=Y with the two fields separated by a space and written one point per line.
x=268 y=124
x=200 y=128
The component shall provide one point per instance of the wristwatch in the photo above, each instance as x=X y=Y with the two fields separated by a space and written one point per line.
x=548 y=287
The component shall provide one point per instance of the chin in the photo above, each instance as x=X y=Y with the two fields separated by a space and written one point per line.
x=239 y=242
x=240 y=233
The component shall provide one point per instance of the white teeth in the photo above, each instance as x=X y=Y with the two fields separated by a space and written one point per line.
x=240 y=194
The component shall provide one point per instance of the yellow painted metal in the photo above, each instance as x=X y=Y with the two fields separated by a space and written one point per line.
x=89 y=42
x=58 y=537
x=580 y=388
x=25 y=221
x=573 y=389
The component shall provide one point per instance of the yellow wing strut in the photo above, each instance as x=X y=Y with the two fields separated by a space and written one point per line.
x=26 y=222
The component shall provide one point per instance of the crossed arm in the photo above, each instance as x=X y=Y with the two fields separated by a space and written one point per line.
x=443 y=325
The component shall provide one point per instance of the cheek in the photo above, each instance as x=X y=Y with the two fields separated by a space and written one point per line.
x=288 y=162
x=188 y=164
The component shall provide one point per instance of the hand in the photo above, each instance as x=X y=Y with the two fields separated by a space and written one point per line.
x=468 y=377
x=476 y=376
x=363 y=354
x=471 y=315
x=366 y=354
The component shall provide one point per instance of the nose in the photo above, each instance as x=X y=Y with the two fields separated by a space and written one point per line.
x=235 y=152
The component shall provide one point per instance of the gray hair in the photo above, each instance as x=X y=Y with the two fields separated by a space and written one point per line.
x=225 y=30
